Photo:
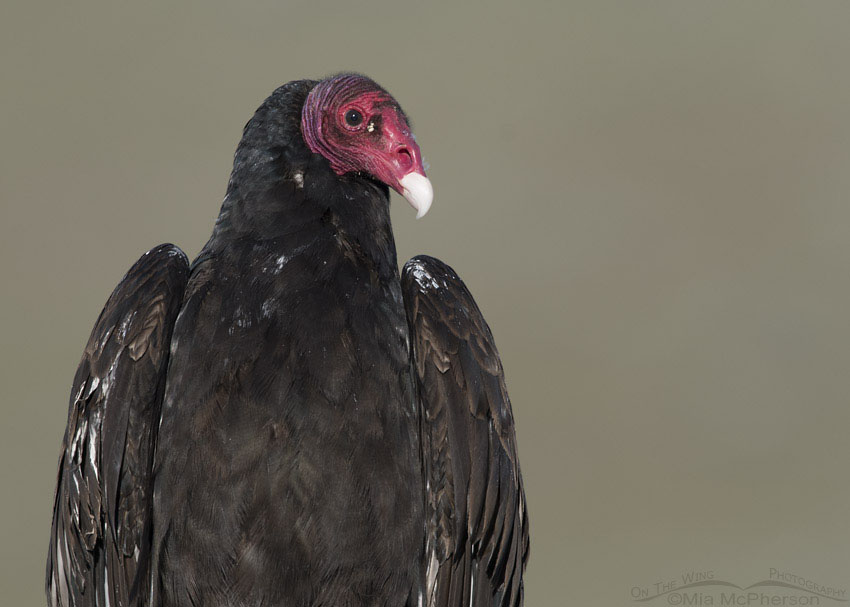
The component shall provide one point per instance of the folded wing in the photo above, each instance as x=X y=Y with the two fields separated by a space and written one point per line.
x=100 y=538
x=477 y=525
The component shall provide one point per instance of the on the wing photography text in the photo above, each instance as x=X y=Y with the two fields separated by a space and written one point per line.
x=698 y=588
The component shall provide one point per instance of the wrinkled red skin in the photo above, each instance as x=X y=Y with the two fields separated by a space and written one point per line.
x=381 y=145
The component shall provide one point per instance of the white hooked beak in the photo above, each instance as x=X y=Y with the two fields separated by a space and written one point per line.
x=417 y=190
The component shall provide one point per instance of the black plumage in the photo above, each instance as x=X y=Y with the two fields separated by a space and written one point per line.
x=289 y=422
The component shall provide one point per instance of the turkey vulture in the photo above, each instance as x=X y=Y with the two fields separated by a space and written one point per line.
x=287 y=420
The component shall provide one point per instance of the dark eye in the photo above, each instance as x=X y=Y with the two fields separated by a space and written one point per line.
x=353 y=117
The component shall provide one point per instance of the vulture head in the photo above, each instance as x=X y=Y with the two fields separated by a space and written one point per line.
x=359 y=128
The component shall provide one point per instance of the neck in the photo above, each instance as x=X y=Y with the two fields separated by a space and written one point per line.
x=286 y=197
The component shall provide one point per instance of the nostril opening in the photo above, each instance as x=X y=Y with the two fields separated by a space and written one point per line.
x=405 y=159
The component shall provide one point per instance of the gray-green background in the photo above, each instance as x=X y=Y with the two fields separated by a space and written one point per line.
x=648 y=199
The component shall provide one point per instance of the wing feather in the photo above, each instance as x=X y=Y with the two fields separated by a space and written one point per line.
x=477 y=523
x=100 y=535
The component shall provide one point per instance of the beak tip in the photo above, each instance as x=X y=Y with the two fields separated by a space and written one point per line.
x=418 y=191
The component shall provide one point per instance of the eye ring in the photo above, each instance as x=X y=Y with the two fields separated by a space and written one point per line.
x=353 y=117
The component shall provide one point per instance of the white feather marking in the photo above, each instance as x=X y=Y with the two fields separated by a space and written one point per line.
x=78 y=440
x=125 y=325
x=243 y=320
x=106 y=382
x=431 y=577
x=277 y=264
x=472 y=583
x=93 y=428
x=424 y=279
x=62 y=575
x=95 y=382
x=80 y=393
x=267 y=307
x=106 y=588
x=61 y=558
